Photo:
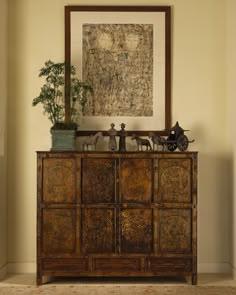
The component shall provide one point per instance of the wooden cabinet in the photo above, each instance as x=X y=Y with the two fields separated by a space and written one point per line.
x=116 y=214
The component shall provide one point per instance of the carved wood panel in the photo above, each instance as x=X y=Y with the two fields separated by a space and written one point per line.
x=59 y=180
x=59 y=231
x=169 y=265
x=136 y=230
x=117 y=264
x=65 y=265
x=98 y=234
x=174 y=180
x=175 y=230
x=98 y=180
x=136 y=180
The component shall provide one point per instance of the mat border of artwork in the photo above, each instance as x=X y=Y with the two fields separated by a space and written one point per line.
x=167 y=63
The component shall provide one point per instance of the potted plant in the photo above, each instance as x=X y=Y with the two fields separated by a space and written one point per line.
x=52 y=98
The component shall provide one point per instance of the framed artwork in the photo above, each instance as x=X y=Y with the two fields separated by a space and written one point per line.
x=124 y=53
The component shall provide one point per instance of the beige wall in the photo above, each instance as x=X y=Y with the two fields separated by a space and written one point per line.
x=3 y=99
x=198 y=102
x=231 y=92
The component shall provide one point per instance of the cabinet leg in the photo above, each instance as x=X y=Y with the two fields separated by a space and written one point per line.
x=39 y=280
x=194 y=279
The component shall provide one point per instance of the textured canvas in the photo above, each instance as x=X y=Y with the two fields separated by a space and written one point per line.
x=118 y=63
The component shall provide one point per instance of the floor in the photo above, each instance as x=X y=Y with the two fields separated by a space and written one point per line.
x=203 y=280
x=209 y=284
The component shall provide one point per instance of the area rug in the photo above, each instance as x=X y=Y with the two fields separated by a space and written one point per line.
x=117 y=290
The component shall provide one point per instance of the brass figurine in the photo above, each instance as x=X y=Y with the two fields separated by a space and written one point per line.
x=141 y=142
x=176 y=139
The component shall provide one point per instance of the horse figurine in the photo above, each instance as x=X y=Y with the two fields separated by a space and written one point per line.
x=142 y=142
x=91 y=141
x=157 y=140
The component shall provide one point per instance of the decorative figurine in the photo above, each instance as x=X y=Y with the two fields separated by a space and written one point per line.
x=157 y=140
x=176 y=139
x=122 y=141
x=142 y=142
x=112 y=137
x=91 y=141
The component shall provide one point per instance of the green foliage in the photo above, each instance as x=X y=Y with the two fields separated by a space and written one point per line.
x=52 y=94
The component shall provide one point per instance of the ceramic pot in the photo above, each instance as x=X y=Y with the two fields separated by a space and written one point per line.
x=63 y=140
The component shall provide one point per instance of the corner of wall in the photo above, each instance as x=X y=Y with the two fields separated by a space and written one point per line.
x=3 y=143
x=231 y=88
x=3 y=272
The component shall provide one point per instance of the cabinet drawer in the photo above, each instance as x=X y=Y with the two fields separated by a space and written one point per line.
x=117 y=264
x=65 y=265
x=169 y=265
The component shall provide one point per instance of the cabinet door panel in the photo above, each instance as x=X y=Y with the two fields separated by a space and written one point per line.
x=136 y=230
x=175 y=230
x=98 y=234
x=174 y=180
x=59 y=184
x=98 y=181
x=59 y=232
x=136 y=180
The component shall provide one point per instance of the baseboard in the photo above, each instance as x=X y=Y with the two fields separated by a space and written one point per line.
x=215 y=267
x=233 y=271
x=21 y=267
x=3 y=271
x=30 y=267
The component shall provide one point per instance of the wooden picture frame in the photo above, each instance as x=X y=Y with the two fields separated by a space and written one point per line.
x=126 y=19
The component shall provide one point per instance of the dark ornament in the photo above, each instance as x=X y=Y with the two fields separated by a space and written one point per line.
x=122 y=141
x=176 y=139
x=157 y=140
x=141 y=142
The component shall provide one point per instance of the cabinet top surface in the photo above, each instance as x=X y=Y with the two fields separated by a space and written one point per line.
x=116 y=152
x=108 y=154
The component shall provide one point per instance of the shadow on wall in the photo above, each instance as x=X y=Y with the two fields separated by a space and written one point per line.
x=3 y=214
x=215 y=202
x=232 y=221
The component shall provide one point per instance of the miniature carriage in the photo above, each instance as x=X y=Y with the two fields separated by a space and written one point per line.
x=176 y=139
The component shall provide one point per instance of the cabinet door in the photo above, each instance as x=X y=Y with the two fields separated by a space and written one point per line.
x=136 y=230
x=59 y=181
x=98 y=230
x=59 y=232
x=98 y=181
x=174 y=180
x=174 y=230
x=136 y=177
